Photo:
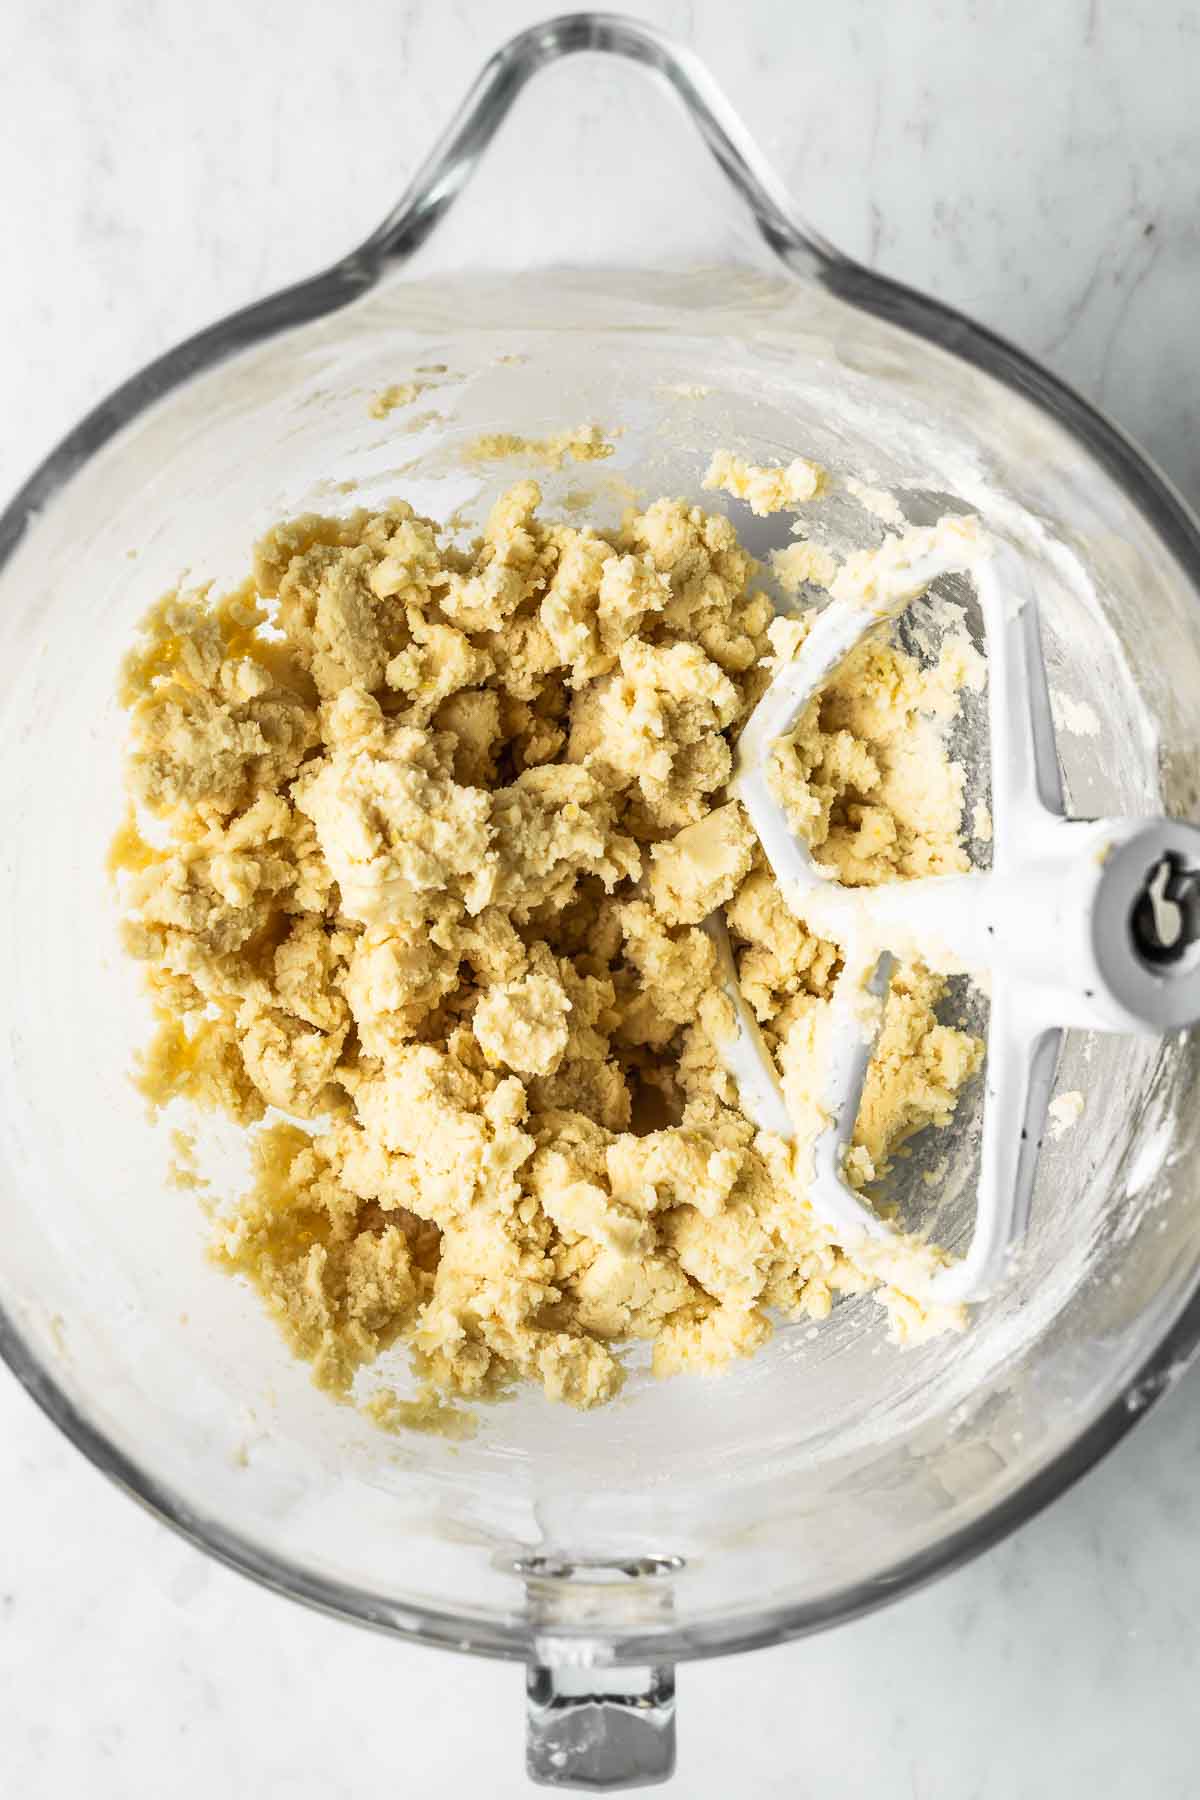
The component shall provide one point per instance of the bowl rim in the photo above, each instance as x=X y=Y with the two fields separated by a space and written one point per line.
x=806 y=256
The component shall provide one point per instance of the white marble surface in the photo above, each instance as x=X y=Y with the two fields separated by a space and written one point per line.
x=1033 y=164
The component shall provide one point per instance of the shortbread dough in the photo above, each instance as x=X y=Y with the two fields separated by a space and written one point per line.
x=423 y=838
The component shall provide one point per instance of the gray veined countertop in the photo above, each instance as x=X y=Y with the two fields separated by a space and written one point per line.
x=1031 y=163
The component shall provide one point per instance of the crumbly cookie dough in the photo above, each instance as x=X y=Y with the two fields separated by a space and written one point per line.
x=1064 y=1111
x=399 y=393
x=425 y=836
x=765 y=489
x=796 y=564
x=584 y=443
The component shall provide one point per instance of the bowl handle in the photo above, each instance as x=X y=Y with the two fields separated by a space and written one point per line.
x=599 y=1729
x=751 y=193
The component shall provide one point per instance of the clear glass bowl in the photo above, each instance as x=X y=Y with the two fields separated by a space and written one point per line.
x=693 y=1517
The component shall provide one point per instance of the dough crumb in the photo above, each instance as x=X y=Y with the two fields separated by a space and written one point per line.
x=796 y=564
x=181 y=1169
x=430 y=1413
x=400 y=393
x=523 y=1024
x=878 y=502
x=1065 y=1110
x=765 y=490
x=585 y=443
x=702 y=866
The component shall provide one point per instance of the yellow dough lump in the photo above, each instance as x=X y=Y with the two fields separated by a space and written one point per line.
x=765 y=490
x=424 y=837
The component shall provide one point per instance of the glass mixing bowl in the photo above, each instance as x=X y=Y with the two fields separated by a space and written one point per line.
x=831 y=1472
